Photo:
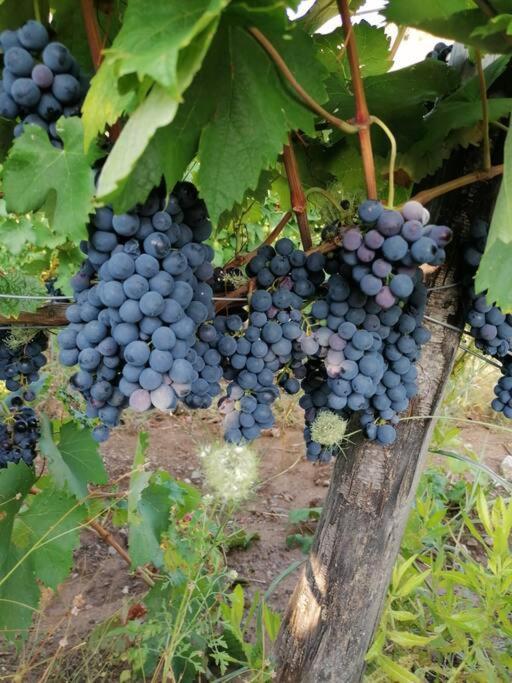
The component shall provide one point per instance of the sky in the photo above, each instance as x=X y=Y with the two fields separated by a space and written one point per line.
x=414 y=46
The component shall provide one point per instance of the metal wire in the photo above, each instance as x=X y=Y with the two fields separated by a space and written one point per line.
x=34 y=297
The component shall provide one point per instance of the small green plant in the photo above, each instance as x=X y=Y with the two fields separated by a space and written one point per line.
x=191 y=622
x=447 y=615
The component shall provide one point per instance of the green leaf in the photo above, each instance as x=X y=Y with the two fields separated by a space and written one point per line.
x=16 y=232
x=304 y=515
x=49 y=529
x=272 y=622
x=147 y=523
x=373 y=48
x=15 y=483
x=493 y=274
x=18 y=282
x=75 y=461
x=412 y=584
x=323 y=10
x=36 y=173
x=104 y=104
x=252 y=117
x=414 y=87
x=395 y=671
x=14 y=13
x=19 y=597
x=153 y=41
x=498 y=24
x=453 y=19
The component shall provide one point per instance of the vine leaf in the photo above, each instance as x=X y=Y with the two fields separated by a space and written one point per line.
x=49 y=528
x=75 y=461
x=494 y=272
x=15 y=483
x=452 y=19
x=36 y=174
x=163 y=44
x=460 y=111
x=150 y=498
x=373 y=48
x=253 y=113
x=36 y=544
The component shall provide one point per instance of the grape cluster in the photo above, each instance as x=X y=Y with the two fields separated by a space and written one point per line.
x=490 y=328
x=264 y=357
x=140 y=297
x=20 y=363
x=19 y=433
x=366 y=327
x=441 y=52
x=41 y=80
x=503 y=390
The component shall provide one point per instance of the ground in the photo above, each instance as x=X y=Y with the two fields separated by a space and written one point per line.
x=101 y=583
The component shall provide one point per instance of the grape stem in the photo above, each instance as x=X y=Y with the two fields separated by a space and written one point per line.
x=392 y=158
x=396 y=43
x=426 y=196
x=342 y=125
x=37 y=10
x=297 y=196
x=362 y=115
x=485 y=111
x=486 y=8
x=92 y=30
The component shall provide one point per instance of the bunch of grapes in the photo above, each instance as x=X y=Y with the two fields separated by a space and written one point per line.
x=503 y=390
x=41 y=80
x=20 y=363
x=366 y=325
x=261 y=357
x=140 y=297
x=19 y=368
x=489 y=326
x=441 y=52
x=19 y=433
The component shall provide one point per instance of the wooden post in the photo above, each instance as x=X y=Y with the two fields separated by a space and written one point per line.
x=337 y=603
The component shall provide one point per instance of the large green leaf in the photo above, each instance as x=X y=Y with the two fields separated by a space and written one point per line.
x=252 y=117
x=36 y=174
x=399 y=97
x=154 y=40
x=454 y=19
x=459 y=111
x=49 y=530
x=494 y=272
x=75 y=461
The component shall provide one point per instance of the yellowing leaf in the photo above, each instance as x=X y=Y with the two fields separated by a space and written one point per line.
x=406 y=639
x=395 y=671
x=412 y=584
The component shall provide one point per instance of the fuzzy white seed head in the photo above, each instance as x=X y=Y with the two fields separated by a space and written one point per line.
x=328 y=429
x=230 y=471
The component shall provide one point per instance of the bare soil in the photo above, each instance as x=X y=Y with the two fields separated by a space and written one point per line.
x=101 y=583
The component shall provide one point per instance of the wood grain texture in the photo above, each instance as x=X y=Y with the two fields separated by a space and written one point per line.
x=51 y=315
